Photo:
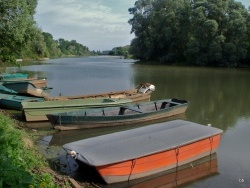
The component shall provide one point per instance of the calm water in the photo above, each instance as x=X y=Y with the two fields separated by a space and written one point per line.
x=219 y=97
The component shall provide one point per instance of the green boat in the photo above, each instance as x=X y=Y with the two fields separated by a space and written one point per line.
x=37 y=111
x=116 y=116
x=13 y=101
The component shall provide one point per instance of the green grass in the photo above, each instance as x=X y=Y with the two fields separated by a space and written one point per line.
x=19 y=160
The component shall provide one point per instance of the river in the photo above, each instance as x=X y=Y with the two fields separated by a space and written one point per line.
x=217 y=96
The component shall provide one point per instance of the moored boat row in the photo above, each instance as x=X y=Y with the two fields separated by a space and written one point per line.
x=122 y=156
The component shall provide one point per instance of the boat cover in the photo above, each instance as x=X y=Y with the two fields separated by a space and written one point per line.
x=139 y=142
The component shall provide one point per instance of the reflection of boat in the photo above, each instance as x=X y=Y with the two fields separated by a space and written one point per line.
x=36 y=111
x=27 y=88
x=115 y=116
x=141 y=152
x=13 y=101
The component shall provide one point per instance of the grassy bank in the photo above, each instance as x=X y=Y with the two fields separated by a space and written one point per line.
x=20 y=164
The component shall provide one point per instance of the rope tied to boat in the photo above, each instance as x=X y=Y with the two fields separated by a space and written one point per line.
x=211 y=139
x=132 y=168
x=177 y=151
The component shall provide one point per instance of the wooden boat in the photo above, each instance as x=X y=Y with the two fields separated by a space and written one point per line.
x=39 y=82
x=141 y=152
x=116 y=116
x=142 y=92
x=27 y=88
x=14 y=101
x=36 y=111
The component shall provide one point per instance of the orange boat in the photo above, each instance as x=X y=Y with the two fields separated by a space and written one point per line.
x=187 y=173
x=141 y=152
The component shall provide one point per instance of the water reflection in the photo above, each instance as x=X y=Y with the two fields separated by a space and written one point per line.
x=217 y=96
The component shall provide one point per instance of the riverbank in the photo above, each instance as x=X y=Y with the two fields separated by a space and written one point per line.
x=21 y=163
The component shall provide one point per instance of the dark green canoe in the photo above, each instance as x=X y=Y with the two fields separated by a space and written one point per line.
x=115 y=116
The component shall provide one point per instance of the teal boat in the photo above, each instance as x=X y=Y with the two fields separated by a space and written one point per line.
x=27 y=88
x=116 y=116
x=6 y=90
x=13 y=76
x=38 y=82
x=37 y=111
x=12 y=101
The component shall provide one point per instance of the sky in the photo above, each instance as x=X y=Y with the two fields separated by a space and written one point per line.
x=98 y=24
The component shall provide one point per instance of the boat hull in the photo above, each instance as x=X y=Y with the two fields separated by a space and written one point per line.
x=14 y=76
x=142 y=152
x=126 y=94
x=37 y=111
x=104 y=118
x=14 y=102
x=27 y=88
x=160 y=162
x=195 y=170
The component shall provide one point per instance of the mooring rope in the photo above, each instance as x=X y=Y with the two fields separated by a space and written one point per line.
x=132 y=168
x=177 y=165
x=211 y=144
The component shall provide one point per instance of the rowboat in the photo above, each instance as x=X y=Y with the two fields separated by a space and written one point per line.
x=175 y=177
x=144 y=151
x=38 y=82
x=13 y=76
x=27 y=88
x=36 y=111
x=142 y=92
x=116 y=116
x=14 y=101
x=183 y=174
x=6 y=90
x=31 y=111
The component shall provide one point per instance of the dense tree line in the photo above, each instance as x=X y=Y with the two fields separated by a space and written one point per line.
x=120 y=51
x=21 y=38
x=194 y=32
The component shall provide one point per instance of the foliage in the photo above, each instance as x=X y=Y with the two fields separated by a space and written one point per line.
x=72 y=48
x=53 y=50
x=20 y=37
x=120 y=51
x=16 y=19
x=17 y=159
x=199 y=32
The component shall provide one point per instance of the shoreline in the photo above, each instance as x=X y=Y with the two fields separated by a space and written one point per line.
x=39 y=166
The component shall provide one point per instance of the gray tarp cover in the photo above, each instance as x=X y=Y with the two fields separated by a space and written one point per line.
x=135 y=143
